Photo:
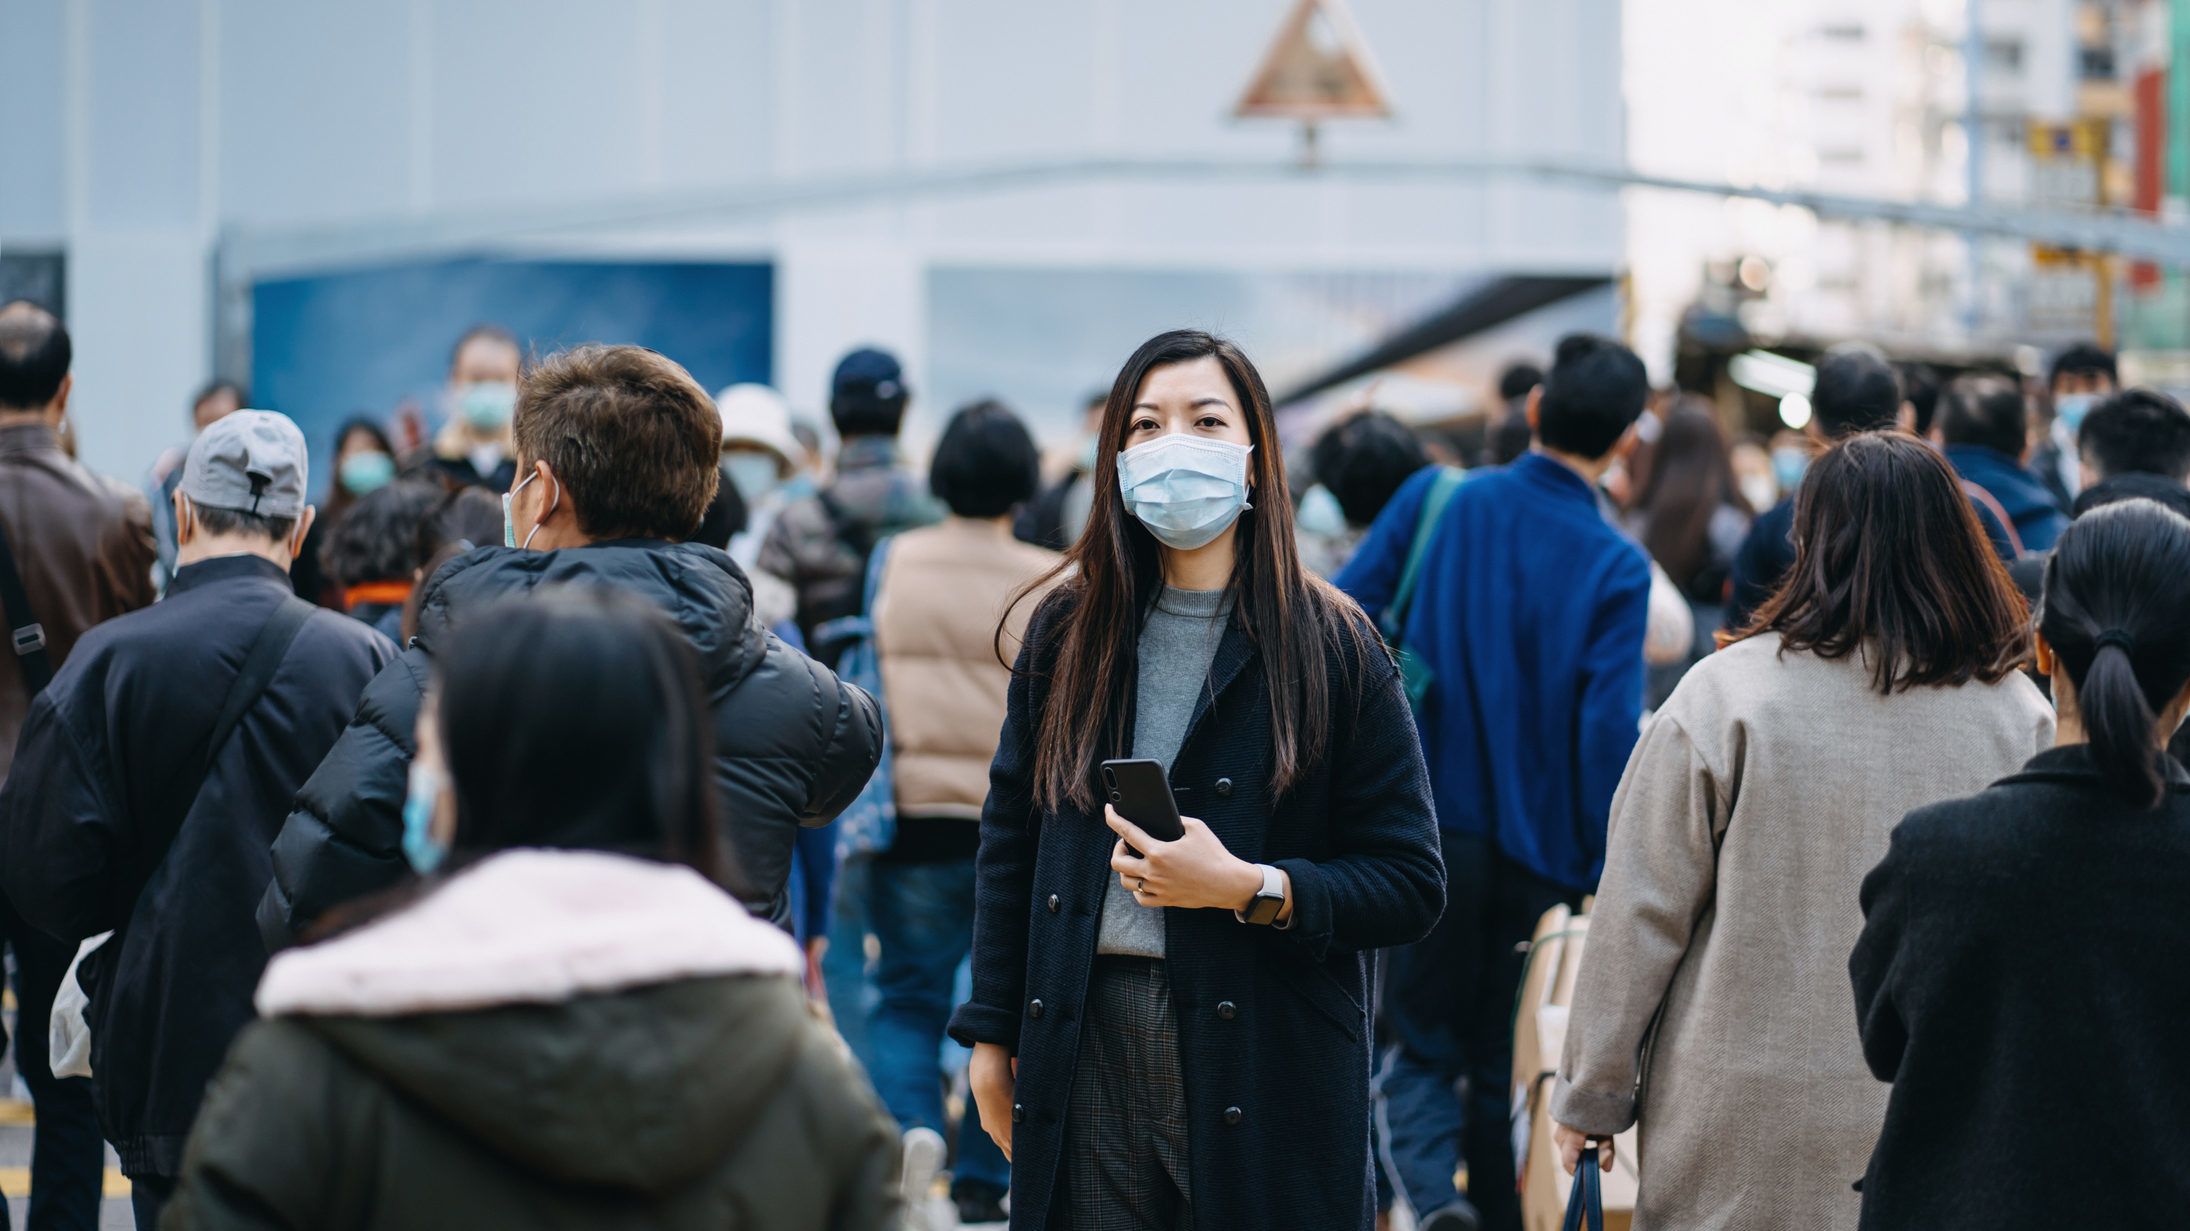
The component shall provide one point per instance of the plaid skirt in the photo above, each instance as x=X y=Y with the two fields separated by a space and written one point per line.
x=1125 y=1130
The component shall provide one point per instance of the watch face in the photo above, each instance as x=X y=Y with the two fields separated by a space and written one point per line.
x=1265 y=909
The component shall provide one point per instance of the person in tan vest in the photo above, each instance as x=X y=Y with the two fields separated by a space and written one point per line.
x=942 y=591
x=81 y=547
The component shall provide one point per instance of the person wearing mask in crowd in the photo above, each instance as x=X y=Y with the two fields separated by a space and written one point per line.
x=1751 y=461
x=1691 y=516
x=1359 y=464
x=1528 y=615
x=1983 y=427
x=2135 y=443
x=218 y=399
x=81 y=551
x=1855 y=391
x=154 y=771
x=364 y=463
x=1057 y=516
x=2042 y=916
x=820 y=544
x=618 y=449
x=761 y=458
x=371 y=558
x=1742 y=815
x=473 y=447
x=1185 y=1041
x=567 y=1021
x=942 y=591
x=2081 y=377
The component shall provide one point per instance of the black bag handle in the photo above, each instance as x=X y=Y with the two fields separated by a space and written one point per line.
x=1585 y=1203
x=25 y=634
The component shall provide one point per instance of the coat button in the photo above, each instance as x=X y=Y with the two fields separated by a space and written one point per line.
x=1053 y=903
x=1233 y=1115
x=1227 y=1010
x=1034 y=1009
x=1018 y=1113
x=1224 y=787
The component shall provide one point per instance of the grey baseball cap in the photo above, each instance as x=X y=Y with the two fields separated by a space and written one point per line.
x=252 y=461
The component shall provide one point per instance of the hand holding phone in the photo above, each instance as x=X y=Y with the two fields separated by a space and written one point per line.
x=1141 y=792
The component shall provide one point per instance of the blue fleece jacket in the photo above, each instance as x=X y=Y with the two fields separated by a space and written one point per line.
x=1529 y=612
x=2029 y=505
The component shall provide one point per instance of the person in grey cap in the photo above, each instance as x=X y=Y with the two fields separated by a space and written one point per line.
x=154 y=772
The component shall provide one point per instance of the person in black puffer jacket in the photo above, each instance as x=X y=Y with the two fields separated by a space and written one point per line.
x=617 y=448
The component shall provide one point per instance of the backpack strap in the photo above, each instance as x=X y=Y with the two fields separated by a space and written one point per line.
x=1433 y=507
x=25 y=634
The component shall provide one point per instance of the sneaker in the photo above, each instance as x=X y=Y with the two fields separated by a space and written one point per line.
x=978 y=1204
x=925 y=1151
x=1459 y=1216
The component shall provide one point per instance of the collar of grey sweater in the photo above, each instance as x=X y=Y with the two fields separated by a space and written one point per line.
x=1192 y=604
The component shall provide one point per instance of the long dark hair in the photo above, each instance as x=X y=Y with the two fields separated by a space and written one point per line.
x=573 y=718
x=1890 y=560
x=1691 y=478
x=1115 y=572
x=2116 y=590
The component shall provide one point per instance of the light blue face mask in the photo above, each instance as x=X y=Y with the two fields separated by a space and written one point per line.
x=487 y=405
x=2070 y=409
x=1186 y=489
x=421 y=849
x=364 y=473
x=1788 y=466
x=509 y=517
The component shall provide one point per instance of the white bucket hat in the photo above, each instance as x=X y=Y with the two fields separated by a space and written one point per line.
x=757 y=415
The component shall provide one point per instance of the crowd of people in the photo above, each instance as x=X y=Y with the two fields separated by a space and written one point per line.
x=624 y=806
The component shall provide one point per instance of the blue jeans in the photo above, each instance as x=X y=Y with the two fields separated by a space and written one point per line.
x=844 y=970
x=922 y=913
x=1449 y=1007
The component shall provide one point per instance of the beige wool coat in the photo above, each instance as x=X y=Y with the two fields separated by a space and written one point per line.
x=1756 y=801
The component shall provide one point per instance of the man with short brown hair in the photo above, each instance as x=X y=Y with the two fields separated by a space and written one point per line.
x=616 y=462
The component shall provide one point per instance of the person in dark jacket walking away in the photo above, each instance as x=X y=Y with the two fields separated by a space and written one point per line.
x=154 y=771
x=83 y=549
x=1176 y=1034
x=1983 y=427
x=820 y=544
x=568 y=1022
x=617 y=449
x=2019 y=979
x=1529 y=614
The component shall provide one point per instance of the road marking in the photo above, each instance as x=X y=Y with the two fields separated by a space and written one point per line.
x=15 y=1182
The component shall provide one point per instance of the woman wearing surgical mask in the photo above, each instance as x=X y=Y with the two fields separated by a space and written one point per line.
x=473 y=449
x=1175 y=1033
x=364 y=463
x=567 y=1021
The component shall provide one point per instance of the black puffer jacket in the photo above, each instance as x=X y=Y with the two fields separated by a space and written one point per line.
x=794 y=744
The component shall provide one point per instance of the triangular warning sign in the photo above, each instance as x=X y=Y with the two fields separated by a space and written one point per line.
x=1319 y=68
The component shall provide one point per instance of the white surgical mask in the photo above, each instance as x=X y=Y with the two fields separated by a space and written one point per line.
x=755 y=474
x=509 y=517
x=1186 y=489
x=488 y=404
x=2070 y=409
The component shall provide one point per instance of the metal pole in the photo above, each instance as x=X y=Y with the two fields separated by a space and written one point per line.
x=1973 y=130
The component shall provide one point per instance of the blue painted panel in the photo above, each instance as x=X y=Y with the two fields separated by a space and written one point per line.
x=332 y=345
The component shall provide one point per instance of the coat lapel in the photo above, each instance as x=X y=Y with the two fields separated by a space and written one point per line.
x=1233 y=655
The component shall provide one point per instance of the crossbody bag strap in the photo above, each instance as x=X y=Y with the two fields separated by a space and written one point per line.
x=25 y=634
x=1433 y=506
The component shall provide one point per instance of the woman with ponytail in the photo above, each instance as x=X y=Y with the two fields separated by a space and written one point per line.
x=2021 y=978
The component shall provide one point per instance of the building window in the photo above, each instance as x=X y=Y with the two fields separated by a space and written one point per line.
x=2004 y=54
x=1841 y=157
x=1840 y=93
x=1842 y=32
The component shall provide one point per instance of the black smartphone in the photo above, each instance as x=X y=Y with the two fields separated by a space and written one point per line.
x=1141 y=792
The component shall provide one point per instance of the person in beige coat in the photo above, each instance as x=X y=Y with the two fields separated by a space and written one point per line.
x=1712 y=1007
x=943 y=591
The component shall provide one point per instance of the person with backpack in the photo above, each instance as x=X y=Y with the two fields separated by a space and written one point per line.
x=153 y=773
x=820 y=544
x=75 y=549
x=1525 y=613
x=563 y=1019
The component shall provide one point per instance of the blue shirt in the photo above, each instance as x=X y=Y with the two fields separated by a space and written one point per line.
x=1529 y=613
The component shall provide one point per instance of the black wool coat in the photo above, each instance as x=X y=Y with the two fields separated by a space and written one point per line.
x=1273 y=1025
x=2021 y=980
